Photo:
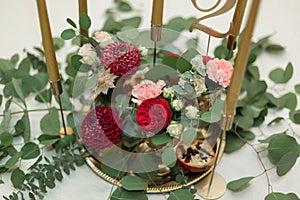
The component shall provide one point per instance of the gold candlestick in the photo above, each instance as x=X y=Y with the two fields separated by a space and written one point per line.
x=82 y=8
x=51 y=63
x=236 y=25
x=240 y=67
x=156 y=23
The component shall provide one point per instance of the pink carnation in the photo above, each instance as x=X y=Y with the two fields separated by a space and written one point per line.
x=219 y=71
x=147 y=89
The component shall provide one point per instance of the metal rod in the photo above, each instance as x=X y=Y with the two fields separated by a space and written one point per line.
x=154 y=54
x=62 y=114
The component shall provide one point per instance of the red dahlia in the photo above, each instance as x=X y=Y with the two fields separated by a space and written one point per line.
x=101 y=128
x=122 y=58
x=153 y=115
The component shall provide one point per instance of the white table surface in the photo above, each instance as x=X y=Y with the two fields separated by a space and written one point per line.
x=19 y=30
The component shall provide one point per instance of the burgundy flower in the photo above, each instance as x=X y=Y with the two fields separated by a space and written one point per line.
x=101 y=128
x=205 y=59
x=153 y=115
x=122 y=58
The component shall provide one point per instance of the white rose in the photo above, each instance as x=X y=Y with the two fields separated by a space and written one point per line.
x=174 y=129
x=88 y=53
x=177 y=105
x=168 y=93
x=103 y=38
x=143 y=51
x=191 y=112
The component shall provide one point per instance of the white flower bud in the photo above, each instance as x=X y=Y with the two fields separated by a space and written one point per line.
x=168 y=93
x=89 y=55
x=143 y=50
x=174 y=129
x=104 y=38
x=192 y=112
x=177 y=105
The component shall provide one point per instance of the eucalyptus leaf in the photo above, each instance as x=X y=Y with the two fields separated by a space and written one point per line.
x=233 y=143
x=84 y=21
x=121 y=194
x=71 y=22
x=281 y=145
x=292 y=196
x=286 y=162
x=123 y=6
x=277 y=196
x=6 y=138
x=48 y=139
x=58 y=43
x=1 y=99
x=5 y=123
x=17 y=84
x=295 y=116
x=50 y=122
x=180 y=195
x=68 y=34
x=13 y=160
x=133 y=22
x=17 y=178
x=275 y=121
x=161 y=138
x=133 y=183
x=239 y=184
x=169 y=157
x=297 y=88
x=30 y=150
x=25 y=65
x=267 y=140
x=189 y=135
x=279 y=75
x=273 y=48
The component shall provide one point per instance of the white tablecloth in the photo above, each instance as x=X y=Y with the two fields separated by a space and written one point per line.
x=19 y=30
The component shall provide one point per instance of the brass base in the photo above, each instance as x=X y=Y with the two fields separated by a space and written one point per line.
x=215 y=191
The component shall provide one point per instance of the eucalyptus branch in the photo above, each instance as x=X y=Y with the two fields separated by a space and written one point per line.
x=29 y=111
x=265 y=170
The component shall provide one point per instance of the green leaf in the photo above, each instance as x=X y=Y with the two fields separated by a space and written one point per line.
x=297 y=88
x=58 y=43
x=71 y=22
x=189 y=135
x=22 y=127
x=14 y=59
x=267 y=140
x=221 y=52
x=111 y=25
x=132 y=22
x=6 y=138
x=44 y=96
x=48 y=139
x=273 y=48
x=275 y=121
x=168 y=157
x=1 y=99
x=133 y=183
x=279 y=75
x=17 y=84
x=233 y=143
x=25 y=65
x=183 y=63
x=161 y=138
x=276 y=196
x=292 y=196
x=50 y=122
x=121 y=194
x=84 y=21
x=124 y=6
x=30 y=150
x=114 y=165
x=13 y=160
x=295 y=116
x=286 y=162
x=281 y=145
x=4 y=126
x=239 y=184
x=180 y=195
x=17 y=178
x=68 y=34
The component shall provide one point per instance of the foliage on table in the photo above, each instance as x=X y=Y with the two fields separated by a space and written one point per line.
x=25 y=80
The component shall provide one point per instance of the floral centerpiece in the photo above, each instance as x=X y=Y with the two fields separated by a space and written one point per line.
x=145 y=112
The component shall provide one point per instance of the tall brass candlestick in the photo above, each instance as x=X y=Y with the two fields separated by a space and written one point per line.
x=51 y=63
x=156 y=23
x=240 y=66
x=82 y=8
x=236 y=25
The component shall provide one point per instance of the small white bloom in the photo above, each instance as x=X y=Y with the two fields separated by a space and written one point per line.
x=169 y=93
x=177 y=105
x=104 y=38
x=174 y=129
x=143 y=50
x=181 y=82
x=192 y=112
x=89 y=55
x=199 y=85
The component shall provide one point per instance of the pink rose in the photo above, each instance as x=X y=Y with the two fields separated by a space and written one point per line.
x=147 y=89
x=219 y=71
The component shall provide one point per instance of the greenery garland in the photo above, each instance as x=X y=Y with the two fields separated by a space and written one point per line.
x=26 y=79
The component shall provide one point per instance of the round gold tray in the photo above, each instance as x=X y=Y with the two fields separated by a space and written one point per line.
x=159 y=188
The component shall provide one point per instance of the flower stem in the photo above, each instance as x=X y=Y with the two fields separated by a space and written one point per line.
x=25 y=110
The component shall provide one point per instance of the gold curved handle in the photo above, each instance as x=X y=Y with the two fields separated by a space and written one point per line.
x=229 y=4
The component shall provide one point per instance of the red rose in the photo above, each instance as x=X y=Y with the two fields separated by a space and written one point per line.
x=205 y=59
x=153 y=115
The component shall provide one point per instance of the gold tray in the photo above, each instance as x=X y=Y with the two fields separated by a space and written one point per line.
x=160 y=188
